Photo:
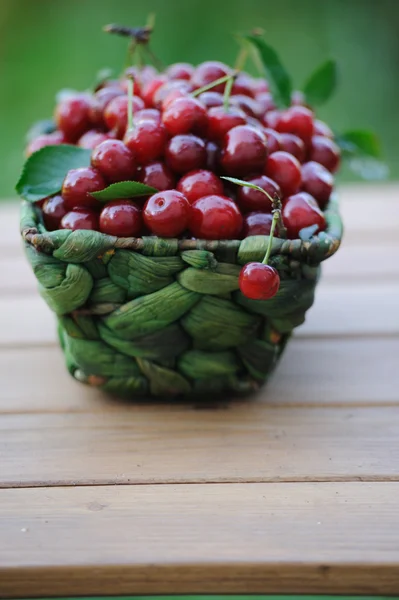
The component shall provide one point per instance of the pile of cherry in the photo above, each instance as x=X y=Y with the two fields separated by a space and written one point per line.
x=181 y=142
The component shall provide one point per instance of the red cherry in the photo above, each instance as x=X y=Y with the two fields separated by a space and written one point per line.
x=145 y=75
x=185 y=153
x=273 y=140
x=257 y=223
x=185 y=115
x=46 y=139
x=199 y=183
x=167 y=213
x=265 y=101
x=285 y=170
x=294 y=145
x=146 y=140
x=156 y=175
x=115 y=113
x=260 y=85
x=250 y=199
x=244 y=150
x=72 y=116
x=297 y=120
x=98 y=103
x=220 y=121
x=317 y=181
x=180 y=71
x=211 y=99
x=300 y=211
x=258 y=281
x=271 y=118
x=53 y=210
x=321 y=128
x=215 y=217
x=171 y=90
x=147 y=114
x=244 y=85
x=326 y=152
x=132 y=74
x=121 y=218
x=150 y=87
x=80 y=218
x=78 y=186
x=298 y=98
x=210 y=71
x=247 y=104
x=114 y=160
x=92 y=138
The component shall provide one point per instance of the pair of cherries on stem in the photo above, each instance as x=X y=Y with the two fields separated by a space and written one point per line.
x=260 y=281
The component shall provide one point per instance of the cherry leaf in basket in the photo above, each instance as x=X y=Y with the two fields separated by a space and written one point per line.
x=45 y=170
x=321 y=84
x=278 y=78
x=124 y=189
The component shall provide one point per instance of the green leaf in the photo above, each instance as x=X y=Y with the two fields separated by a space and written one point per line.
x=45 y=170
x=321 y=84
x=124 y=189
x=360 y=142
x=278 y=78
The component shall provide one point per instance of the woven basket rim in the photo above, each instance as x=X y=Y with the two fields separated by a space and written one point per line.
x=330 y=239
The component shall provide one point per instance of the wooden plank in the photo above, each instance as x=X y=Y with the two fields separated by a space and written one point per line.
x=311 y=373
x=245 y=442
x=234 y=538
x=348 y=308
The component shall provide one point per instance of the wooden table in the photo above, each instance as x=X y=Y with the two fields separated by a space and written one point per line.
x=294 y=491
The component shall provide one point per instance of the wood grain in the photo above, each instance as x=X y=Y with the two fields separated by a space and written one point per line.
x=259 y=538
x=249 y=441
x=311 y=373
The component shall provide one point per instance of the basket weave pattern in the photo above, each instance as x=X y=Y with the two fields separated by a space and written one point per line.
x=146 y=316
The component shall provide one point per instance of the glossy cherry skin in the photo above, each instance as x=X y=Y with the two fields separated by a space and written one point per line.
x=78 y=186
x=209 y=71
x=115 y=113
x=211 y=99
x=317 y=181
x=257 y=223
x=92 y=138
x=321 y=128
x=98 y=103
x=171 y=90
x=258 y=281
x=271 y=118
x=80 y=218
x=45 y=139
x=244 y=85
x=53 y=210
x=156 y=175
x=260 y=85
x=185 y=153
x=300 y=211
x=220 y=121
x=273 y=140
x=121 y=218
x=244 y=151
x=197 y=184
x=72 y=116
x=180 y=71
x=147 y=141
x=185 y=115
x=215 y=218
x=166 y=214
x=265 y=101
x=250 y=199
x=150 y=88
x=285 y=170
x=171 y=97
x=247 y=104
x=114 y=160
x=297 y=120
x=294 y=145
x=326 y=152
x=147 y=114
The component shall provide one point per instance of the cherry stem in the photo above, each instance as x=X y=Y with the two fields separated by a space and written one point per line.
x=227 y=93
x=211 y=85
x=242 y=56
x=270 y=243
x=130 y=90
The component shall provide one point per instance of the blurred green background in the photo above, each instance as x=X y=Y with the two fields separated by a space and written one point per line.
x=51 y=44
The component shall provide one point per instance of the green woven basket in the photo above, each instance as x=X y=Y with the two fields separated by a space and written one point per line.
x=161 y=317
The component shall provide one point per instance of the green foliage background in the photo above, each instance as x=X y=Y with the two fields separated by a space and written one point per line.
x=50 y=44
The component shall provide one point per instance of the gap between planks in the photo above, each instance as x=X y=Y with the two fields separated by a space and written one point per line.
x=262 y=538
